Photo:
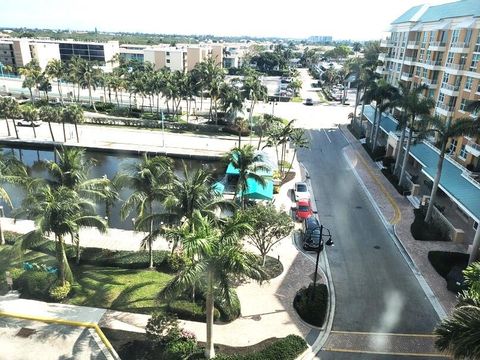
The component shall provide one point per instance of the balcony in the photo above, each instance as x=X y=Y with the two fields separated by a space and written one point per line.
x=408 y=60
x=386 y=43
x=444 y=110
x=454 y=68
x=432 y=84
x=406 y=76
x=381 y=70
x=436 y=46
x=413 y=45
x=450 y=90
x=382 y=56
x=459 y=47
x=430 y=64
x=473 y=148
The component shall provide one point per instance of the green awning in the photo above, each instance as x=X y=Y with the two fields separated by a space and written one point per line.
x=257 y=191
x=218 y=188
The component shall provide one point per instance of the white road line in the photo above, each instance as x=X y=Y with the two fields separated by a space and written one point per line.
x=327 y=136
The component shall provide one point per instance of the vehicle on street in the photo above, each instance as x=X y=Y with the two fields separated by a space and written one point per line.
x=311 y=233
x=303 y=210
x=308 y=101
x=301 y=191
x=29 y=123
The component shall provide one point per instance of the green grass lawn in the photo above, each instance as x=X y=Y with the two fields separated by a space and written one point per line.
x=321 y=97
x=296 y=99
x=118 y=289
x=105 y=287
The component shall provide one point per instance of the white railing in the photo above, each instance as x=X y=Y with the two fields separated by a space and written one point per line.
x=462 y=45
x=455 y=66
x=437 y=44
x=413 y=43
x=444 y=107
x=433 y=62
x=473 y=145
x=450 y=87
x=407 y=75
x=408 y=58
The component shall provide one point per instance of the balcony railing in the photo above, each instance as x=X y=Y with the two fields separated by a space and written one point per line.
x=462 y=45
x=474 y=145
x=430 y=82
x=437 y=44
x=408 y=58
x=413 y=43
x=407 y=75
x=455 y=66
x=450 y=87
x=433 y=62
x=444 y=107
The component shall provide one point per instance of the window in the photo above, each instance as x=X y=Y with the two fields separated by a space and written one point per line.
x=399 y=66
x=168 y=53
x=475 y=225
x=441 y=97
x=453 y=146
x=468 y=83
x=425 y=73
x=417 y=70
x=445 y=78
x=475 y=60
x=450 y=58
x=463 y=153
x=168 y=61
x=478 y=87
x=431 y=93
x=477 y=44
x=455 y=36
x=441 y=36
x=420 y=56
x=463 y=103
x=431 y=36
x=468 y=36
x=424 y=39
x=429 y=55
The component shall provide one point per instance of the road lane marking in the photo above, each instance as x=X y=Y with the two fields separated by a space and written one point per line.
x=381 y=334
x=389 y=353
x=327 y=136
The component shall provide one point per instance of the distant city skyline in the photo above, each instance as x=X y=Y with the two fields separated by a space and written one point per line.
x=343 y=20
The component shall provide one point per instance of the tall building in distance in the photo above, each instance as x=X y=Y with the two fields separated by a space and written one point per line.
x=439 y=46
x=320 y=39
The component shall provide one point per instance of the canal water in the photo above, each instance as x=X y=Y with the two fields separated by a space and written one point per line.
x=108 y=164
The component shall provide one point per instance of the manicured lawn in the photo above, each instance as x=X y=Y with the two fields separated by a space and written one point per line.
x=118 y=289
x=296 y=99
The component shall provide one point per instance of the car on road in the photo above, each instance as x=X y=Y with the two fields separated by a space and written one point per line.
x=28 y=123
x=308 y=101
x=303 y=209
x=300 y=191
x=311 y=233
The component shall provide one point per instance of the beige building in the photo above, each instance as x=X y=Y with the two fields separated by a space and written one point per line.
x=174 y=58
x=439 y=46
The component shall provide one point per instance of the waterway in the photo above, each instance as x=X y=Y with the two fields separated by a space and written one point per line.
x=108 y=164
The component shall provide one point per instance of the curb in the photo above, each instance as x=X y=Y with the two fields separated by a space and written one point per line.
x=47 y=320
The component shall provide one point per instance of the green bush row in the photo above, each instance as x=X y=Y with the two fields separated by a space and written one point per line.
x=288 y=348
x=187 y=310
x=35 y=284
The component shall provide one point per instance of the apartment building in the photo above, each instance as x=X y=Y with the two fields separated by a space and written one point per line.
x=439 y=46
x=174 y=58
x=19 y=52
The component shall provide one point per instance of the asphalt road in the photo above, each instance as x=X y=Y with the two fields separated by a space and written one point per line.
x=376 y=291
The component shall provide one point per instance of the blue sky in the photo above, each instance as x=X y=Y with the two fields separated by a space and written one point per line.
x=343 y=19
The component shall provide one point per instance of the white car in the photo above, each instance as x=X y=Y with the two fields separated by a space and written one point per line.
x=301 y=191
x=28 y=123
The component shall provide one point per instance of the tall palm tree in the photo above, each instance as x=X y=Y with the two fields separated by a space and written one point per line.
x=30 y=114
x=414 y=105
x=89 y=77
x=50 y=114
x=72 y=114
x=231 y=100
x=254 y=91
x=32 y=73
x=264 y=123
x=444 y=131
x=220 y=257
x=298 y=141
x=8 y=108
x=55 y=69
x=61 y=212
x=71 y=170
x=74 y=71
x=250 y=166
x=213 y=76
x=149 y=180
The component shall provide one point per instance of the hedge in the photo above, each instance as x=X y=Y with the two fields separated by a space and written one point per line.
x=288 y=348
x=187 y=310
x=313 y=311
x=444 y=261
x=35 y=284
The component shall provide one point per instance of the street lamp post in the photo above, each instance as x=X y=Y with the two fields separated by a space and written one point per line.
x=163 y=130
x=329 y=242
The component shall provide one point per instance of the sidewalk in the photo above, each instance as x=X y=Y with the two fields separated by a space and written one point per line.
x=398 y=212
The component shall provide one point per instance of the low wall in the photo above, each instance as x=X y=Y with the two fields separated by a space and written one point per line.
x=456 y=235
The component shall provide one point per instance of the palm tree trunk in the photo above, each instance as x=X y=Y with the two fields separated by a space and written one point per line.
x=209 y=349
x=8 y=126
x=377 y=128
x=210 y=111
x=59 y=86
x=60 y=259
x=356 y=104
x=158 y=104
x=77 y=248
x=15 y=128
x=51 y=131
x=91 y=98
x=370 y=137
x=291 y=164
x=2 y=237
x=361 y=113
x=436 y=181
x=260 y=138
x=405 y=157
x=76 y=132
x=64 y=132
x=31 y=95
x=34 y=131
x=78 y=97
x=150 y=251
x=399 y=149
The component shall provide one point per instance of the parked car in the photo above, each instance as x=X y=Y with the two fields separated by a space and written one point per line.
x=311 y=233
x=308 y=101
x=301 y=191
x=303 y=209
x=28 y=123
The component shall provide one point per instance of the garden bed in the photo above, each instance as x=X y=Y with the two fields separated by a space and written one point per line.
x=426 y=231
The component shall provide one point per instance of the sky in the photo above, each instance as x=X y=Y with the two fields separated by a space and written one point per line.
x=342 y=19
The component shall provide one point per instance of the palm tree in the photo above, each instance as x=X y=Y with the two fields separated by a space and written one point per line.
x=414 y=105
x=32 y=73
x=56 y=69
x=254 y=91
x=249 y=166
x=71 y=170
x=231 y=100
x=61 y=212
x=72 y=114
x=264 y=123
x=30 y=114
x=89 y=77
x=444 y=131
x=459 y=334
x=220 y=257
x=8 y=109
x=213 y=77
x=299 y=141
x=50 y=114
x=74 y=69
x=149 y=180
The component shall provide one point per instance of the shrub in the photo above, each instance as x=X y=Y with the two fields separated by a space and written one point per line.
x=175 y=262
x=180 y=349
x=312 y=311
x=188 y=310
x=35 y=284
x=273 y=267
x=288 y=348
x=58 y=292
x=229 y=312
x=444 y=261
x=15 y=273
x=426 y=231
x=162 y=328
